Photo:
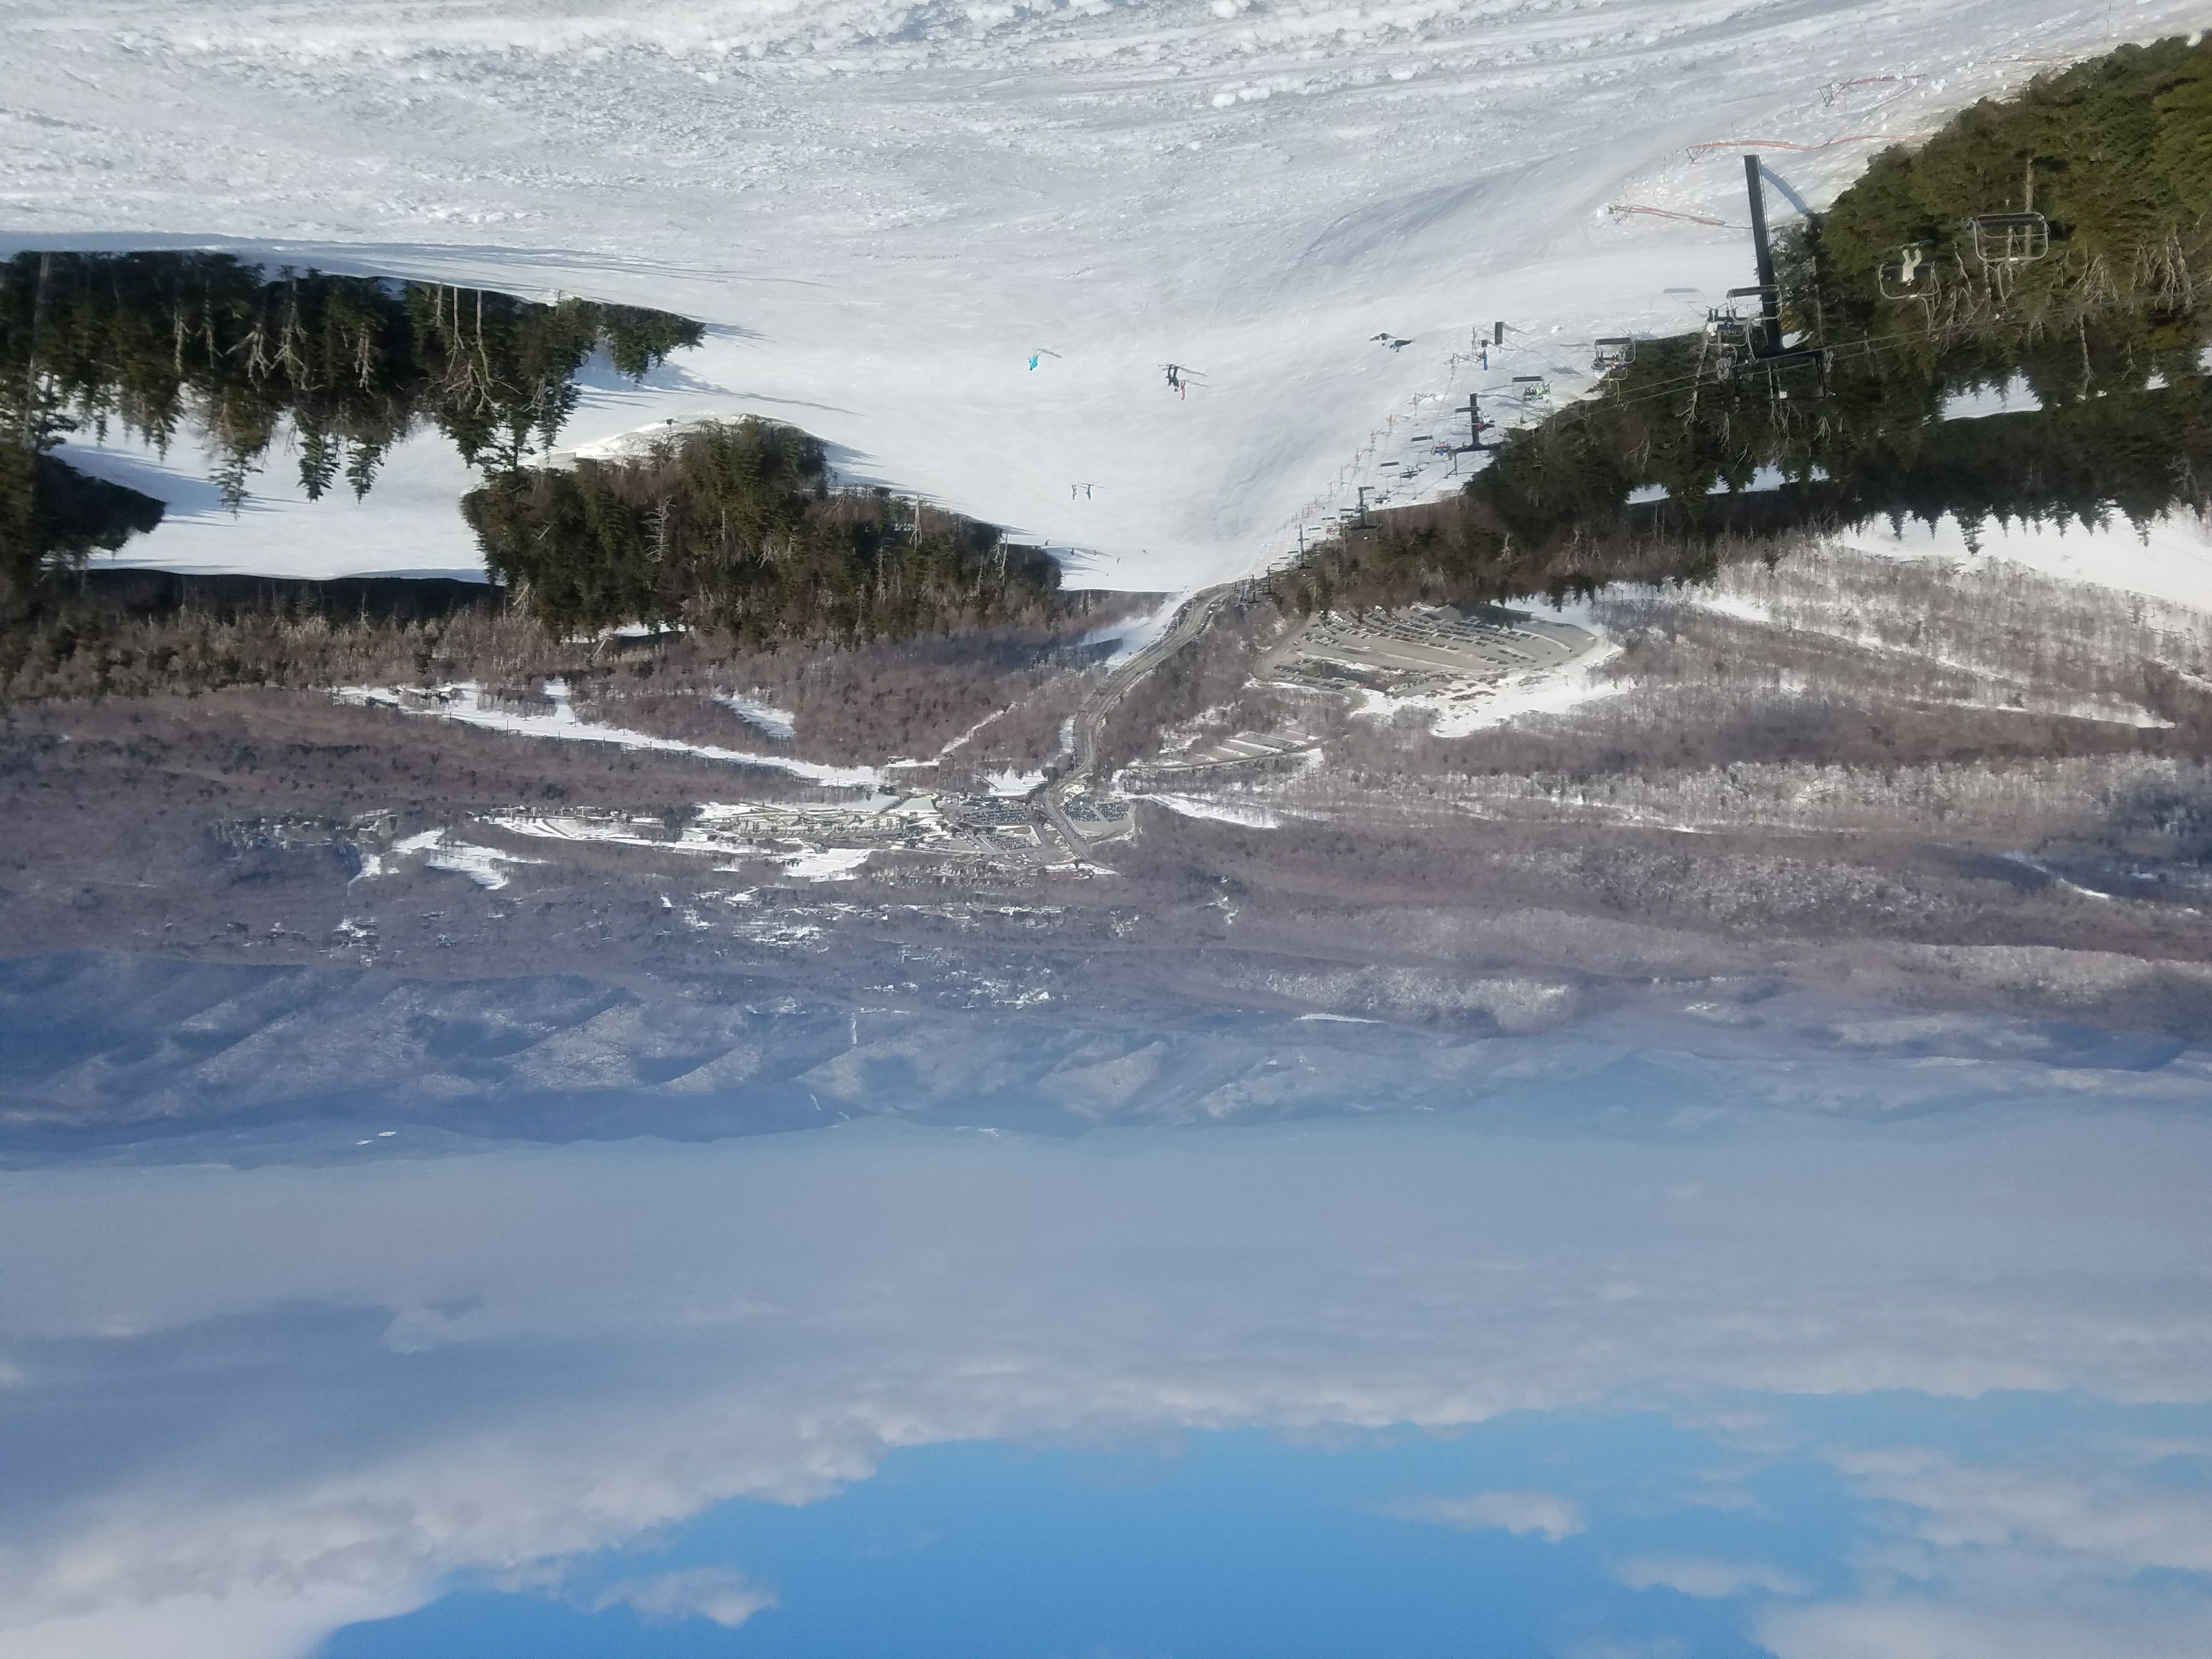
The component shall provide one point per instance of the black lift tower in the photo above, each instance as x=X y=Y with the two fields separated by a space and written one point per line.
x=1770 y=296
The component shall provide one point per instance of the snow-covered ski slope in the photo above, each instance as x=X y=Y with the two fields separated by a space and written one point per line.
x=886 y=206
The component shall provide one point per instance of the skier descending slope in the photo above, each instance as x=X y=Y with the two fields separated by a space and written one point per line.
x=1180 y=379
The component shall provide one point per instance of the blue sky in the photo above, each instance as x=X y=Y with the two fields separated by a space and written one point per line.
x=1638 y=1534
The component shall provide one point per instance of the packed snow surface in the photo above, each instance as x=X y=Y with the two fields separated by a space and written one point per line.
x=888 y=209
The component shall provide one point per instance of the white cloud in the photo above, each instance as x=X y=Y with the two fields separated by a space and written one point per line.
x=803 y=1303
x=1545 y=1514
x=2121 y=1518
x=1698 y=1575
x=2020 y=1560
x=727 y=1598
x=1933 y=1630
x=238 y=1626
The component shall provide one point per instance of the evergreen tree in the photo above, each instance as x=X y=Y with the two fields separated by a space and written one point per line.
x=732 y=527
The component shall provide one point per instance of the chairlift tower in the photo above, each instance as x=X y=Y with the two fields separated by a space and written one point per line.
x=1474 y=426
x=1770 y=295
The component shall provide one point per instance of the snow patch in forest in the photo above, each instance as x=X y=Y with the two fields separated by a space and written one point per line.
x=1763 y=479
x=1741 y=606
x=2012 y=396
x=831 y=863
x=1133 y=633
x=780 y=724
x=1199 y=806
x=468 y=704
x=813 y=841
x=959 y=742
x=480 y=864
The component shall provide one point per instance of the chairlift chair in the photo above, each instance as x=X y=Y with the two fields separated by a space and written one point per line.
x=1731 y=338
x=1755 y=330
x=1899 y=278
x=2009 y=239
x=1728 y=330
x=1612 y=351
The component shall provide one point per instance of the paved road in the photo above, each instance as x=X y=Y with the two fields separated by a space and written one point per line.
x=1190 y=620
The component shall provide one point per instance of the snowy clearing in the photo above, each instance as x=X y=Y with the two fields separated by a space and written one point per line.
x=1551 y=690
x=778 y=723
x=2019 y=691
x=884 y=208
x=818 y=841
x=409 y=523
x=1194 y=807
x=832 y=863
x=2171 y=560
x=480 y=865
x=1132 y=635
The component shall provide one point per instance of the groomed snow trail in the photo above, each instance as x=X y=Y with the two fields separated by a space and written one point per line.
x=885 y=209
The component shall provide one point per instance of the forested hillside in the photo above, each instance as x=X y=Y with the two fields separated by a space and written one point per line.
x=2056 y=242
